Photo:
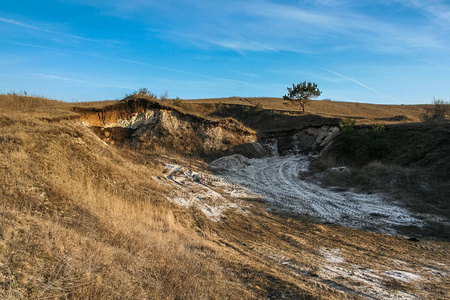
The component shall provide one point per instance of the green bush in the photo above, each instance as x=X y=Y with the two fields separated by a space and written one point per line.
x=378 y=129
x=360 y=146
x=179 y=103
x=377 y=145
x=258 y=107
x=344 y=142
x=348 y=124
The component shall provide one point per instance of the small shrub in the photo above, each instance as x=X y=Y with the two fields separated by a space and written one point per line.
x=378 y=129
x=362 y=145
x=164 y=96
x=438 y=111
x=179 y=103
x=377 y=145
x=258 y=107
x=345 y=141
x=348 y=124
x=142 y=91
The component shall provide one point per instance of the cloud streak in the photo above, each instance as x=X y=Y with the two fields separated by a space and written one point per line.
x=261 y=25
x=186 y=72
x=86 y=82
x=359 y=83
x=439 y=10
x=24 y=25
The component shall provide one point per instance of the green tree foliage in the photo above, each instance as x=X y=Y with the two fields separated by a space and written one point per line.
x=302 y=93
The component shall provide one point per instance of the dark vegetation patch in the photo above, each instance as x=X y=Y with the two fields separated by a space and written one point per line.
x=394 y=119
x=407 y=161
x=271 y=120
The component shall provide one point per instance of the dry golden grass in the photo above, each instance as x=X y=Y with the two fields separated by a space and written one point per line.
x=13 y=104
x=364 y=113
x=80 y=219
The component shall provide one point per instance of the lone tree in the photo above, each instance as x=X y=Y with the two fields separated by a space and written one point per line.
x=302 y=93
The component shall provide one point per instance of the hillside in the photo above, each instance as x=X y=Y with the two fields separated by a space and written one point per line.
x=364 y=113
x=116 y=200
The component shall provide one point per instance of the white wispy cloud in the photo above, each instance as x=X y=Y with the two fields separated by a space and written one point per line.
x=28 y=26
x=437 y=9
x=239 y=45
x=284 y=13
x=186 y=72
x=348 y=99
x=84 y=82
x=246 y=73
x=279 y=27
x=359 y=83
x=303 y=26
x=14 y=22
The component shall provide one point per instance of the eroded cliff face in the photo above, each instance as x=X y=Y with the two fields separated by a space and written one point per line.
x=141 y=123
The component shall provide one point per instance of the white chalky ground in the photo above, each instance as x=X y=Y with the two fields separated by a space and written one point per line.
x=276 y=179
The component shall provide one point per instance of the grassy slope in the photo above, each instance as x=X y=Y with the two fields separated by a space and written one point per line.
x=364 y=113
x=82 y=219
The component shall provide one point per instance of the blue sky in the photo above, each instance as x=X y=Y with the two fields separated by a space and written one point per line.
x=375 y=51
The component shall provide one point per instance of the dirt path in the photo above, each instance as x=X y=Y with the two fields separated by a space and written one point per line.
x=276 y=179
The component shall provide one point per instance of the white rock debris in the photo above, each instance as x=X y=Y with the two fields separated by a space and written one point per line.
x=209 y=193
x=332 y=255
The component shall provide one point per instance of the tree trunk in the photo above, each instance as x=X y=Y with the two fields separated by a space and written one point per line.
x=303 y=107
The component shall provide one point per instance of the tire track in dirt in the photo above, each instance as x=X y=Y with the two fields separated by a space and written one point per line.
x=276 y=180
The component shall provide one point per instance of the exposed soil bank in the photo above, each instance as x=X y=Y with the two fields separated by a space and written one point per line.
x=145 y=124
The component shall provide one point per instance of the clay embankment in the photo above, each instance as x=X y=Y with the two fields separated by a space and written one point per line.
x=146 y=124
